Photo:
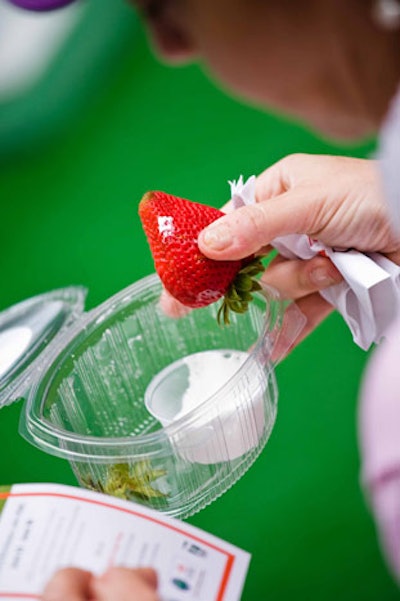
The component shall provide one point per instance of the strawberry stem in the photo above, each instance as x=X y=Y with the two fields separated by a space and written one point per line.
x=239 y=293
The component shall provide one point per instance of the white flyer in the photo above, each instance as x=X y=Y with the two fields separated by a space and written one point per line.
x=44 y=527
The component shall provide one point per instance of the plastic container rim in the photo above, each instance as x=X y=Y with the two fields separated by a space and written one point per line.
x=43 y=434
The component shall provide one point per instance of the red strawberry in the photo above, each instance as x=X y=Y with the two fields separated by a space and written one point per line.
x=172 y=226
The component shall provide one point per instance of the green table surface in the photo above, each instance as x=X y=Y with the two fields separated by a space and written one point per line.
x=69 y=199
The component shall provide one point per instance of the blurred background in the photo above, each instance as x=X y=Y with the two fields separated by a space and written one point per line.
x=89 y=121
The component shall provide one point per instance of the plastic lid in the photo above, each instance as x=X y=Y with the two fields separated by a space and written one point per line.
x=28 y=333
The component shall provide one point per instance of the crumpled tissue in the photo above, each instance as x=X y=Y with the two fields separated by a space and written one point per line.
x=368 y=298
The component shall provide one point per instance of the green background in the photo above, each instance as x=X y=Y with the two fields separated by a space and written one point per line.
x=77 y=152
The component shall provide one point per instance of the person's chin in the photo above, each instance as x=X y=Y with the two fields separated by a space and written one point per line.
x=342 y=129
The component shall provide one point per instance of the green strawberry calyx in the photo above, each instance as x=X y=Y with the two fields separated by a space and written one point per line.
x=240 y=292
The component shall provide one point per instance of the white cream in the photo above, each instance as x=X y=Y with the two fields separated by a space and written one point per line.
x=228 y=426
x=208 y=372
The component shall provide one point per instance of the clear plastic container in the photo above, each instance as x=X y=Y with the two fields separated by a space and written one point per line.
x=106 y=393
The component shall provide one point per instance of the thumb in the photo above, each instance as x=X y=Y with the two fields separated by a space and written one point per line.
x=68 y=583
x=124 y=584
x=250 y=228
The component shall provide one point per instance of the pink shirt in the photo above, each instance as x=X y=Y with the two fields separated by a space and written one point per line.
x=379 y=412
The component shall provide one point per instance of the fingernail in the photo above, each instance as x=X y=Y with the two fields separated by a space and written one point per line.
x=321 y=277
x=217 y=237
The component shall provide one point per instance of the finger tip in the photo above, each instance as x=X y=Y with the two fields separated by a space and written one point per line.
x=150 y=576
x=215 y=238
x=117 y=579
x=171 y=307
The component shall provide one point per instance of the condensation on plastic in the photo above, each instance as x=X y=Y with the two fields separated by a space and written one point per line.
x=88 y=406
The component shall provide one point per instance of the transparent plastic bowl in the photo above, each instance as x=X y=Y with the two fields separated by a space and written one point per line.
x=89 y=404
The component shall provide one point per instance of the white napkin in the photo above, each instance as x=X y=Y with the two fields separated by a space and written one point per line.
x=369 y=296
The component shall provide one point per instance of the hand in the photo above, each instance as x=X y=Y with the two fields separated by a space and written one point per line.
x=116 y=584
x=336 y=200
